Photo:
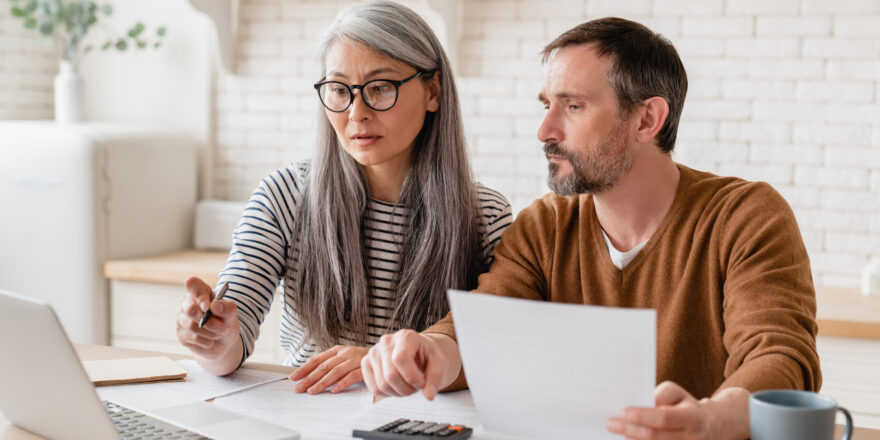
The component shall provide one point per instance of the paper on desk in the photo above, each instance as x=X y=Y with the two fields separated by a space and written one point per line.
x=311 y=415
x=201 y=384
x=453 y=408
x=550 y=370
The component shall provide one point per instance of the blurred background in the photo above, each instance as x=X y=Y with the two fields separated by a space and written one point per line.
x=783 y=91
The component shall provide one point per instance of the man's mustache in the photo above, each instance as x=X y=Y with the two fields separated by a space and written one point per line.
x=556 y=149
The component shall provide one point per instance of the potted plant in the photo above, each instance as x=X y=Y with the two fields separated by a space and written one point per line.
x=67 y=23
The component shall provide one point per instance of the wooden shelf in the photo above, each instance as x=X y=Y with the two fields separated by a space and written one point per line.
x=847 y=313
x=172 y=268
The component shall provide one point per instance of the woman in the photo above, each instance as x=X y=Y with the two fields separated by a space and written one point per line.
x=366 y=238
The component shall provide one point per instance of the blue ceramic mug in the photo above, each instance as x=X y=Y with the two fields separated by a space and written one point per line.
x=794 y=415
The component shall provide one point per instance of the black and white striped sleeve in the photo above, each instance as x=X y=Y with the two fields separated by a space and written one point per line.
x=496 y=216
x=258 y=258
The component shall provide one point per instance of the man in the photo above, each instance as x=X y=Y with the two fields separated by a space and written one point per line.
x=720 y=259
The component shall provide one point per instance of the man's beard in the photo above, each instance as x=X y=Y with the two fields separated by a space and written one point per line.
x=594 y=170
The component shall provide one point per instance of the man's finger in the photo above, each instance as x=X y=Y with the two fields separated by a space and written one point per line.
x=403 y=360
x=393 y=382
x=434 y=370
x=368 y=375
x=670 y=393
x=665 y=418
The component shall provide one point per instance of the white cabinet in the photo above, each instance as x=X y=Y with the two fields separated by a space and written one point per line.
x=851 y=375
x=75 y=195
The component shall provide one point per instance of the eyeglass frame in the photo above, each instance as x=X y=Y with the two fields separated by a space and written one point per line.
x=351 y=88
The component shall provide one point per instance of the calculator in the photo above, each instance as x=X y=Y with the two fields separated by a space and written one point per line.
x=414 y=430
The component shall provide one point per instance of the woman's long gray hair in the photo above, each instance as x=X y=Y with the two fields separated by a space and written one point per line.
x=440 y=248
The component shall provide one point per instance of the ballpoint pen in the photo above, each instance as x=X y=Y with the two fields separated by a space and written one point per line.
x=219 y=296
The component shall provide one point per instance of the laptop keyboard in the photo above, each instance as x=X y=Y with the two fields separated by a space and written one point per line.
x=131 y=424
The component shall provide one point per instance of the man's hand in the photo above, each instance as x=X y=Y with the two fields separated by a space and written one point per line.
x=406 y=361
x=678 y=415
x=339 y=367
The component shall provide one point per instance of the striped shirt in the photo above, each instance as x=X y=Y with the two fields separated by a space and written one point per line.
x=261 y=259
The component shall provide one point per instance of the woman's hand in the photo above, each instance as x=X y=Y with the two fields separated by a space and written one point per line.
x=339 y=367
x=217 y=344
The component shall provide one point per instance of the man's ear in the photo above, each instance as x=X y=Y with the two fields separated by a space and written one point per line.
x=434 y=89
x=652 y=115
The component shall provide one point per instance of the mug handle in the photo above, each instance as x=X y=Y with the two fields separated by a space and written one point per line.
x=847 y=432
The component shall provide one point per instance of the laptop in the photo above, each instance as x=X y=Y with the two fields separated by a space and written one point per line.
x=44 y=389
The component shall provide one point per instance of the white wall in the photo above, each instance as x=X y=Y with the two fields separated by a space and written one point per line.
x=786 y=91
x=27 y=68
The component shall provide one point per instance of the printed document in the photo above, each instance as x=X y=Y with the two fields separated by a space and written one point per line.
x=549 y=370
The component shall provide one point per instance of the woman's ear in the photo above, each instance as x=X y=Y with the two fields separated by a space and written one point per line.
x=434 y=89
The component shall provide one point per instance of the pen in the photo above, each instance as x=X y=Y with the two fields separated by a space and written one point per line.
x=219 y=295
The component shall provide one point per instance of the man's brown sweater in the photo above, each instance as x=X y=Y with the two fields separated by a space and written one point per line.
x=726 y=270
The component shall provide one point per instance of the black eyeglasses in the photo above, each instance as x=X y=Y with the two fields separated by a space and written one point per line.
x=378 y=94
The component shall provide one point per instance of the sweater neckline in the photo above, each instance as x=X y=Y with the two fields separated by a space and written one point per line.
x=684 y=182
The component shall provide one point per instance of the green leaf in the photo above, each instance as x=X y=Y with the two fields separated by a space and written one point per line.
x=121 y=45
x=136 y=30
x=47 y=28
x=88 y=49
x=141 y=44
x=107 y=9
x=161 y=32
x=106 y=45
x=18 y=12
x=156 y=45
x=30 y=23
x=31 y=6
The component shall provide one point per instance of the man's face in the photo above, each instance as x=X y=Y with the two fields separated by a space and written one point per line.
x=586 y=142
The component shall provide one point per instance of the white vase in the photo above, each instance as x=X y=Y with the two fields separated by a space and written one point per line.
x=69 y=96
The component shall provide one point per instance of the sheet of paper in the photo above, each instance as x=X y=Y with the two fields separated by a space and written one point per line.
x=199 y=383
x=456 y=408
x=550 y=370
x=311 y=415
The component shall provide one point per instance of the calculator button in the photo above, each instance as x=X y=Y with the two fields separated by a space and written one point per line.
x=406 y=426
x=420 y=428
x=434 y=428
x=445 y=432
x=392 y=425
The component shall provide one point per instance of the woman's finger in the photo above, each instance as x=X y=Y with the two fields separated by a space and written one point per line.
x=347 y=381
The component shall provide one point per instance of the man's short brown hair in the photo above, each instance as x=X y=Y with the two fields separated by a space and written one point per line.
x=643 y=64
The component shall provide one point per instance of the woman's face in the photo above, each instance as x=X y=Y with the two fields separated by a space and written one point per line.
x=379 y=139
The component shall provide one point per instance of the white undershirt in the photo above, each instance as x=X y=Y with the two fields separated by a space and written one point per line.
x=621 y=259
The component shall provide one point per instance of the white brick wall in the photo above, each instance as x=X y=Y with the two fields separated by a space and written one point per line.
x=785 y=91
x=28 y=66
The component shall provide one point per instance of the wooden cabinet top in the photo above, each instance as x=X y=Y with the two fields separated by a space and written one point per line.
x=172 y=268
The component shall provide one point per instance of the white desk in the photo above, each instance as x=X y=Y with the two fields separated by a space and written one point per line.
x=94 y=352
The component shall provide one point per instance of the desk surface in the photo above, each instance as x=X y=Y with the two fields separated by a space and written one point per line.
x=96 y=352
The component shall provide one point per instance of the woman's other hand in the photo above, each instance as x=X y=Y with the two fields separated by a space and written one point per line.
x=339 y=367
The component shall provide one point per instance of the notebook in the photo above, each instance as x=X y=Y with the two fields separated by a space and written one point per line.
x=133 y=370
x=44 y=389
